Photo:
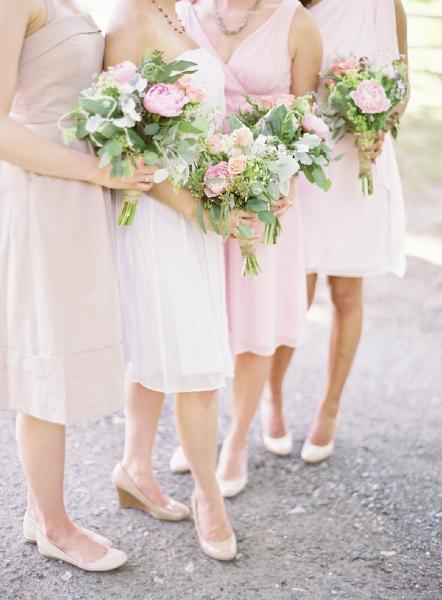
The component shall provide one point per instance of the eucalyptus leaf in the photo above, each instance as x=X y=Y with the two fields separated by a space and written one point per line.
x=200 y=217
x=244 y=231
x=267 y=217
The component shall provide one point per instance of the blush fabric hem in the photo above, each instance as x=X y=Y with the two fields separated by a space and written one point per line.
x=62 y=389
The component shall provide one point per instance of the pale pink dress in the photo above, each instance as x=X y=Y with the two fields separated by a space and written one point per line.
x=267 y=311
x=60 y=335
x=347 y=234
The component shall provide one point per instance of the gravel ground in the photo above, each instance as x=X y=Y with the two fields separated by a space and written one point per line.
x=365 y=525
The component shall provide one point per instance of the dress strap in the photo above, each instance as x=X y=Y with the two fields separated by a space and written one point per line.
x=286 y=14
x=50 y=10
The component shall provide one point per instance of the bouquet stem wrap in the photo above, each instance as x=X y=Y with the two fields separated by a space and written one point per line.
x=365 y=141
x=250 y=266
x=129 y=207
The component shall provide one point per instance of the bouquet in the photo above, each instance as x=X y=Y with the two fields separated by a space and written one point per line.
x=153 y=111
x=360 y=100
x=238 y=172
x=291 y=123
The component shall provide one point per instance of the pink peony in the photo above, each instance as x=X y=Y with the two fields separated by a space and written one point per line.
x=315 y=124
x=242 y=137
x=165 y=99
x=344 y=65
x=370 y=97
x=194 y=92
x=214 y=144
x=124 y=72
x=269 y=102
x=220 y=172
x=237 y=164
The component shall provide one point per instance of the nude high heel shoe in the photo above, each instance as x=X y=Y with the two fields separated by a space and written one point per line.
x=219 y=550
x=178 y=462
x=281 y=446
x=130 y=496
x=313 y=454
x=113 y=559
x=232 y=487
x=30 y=527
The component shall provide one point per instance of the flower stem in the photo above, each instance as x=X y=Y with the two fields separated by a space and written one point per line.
x=129 y=208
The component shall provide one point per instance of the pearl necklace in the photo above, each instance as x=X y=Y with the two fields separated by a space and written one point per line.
x=222 y=26
x=181 y=29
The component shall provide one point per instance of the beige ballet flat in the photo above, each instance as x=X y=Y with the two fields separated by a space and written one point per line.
x=113 y=559
x=30 y=527
x=130 y=496
x=219 y=550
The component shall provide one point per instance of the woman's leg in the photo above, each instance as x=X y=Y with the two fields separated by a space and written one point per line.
x=197 y=425
x=143 y=410
x=274 y=421
x=251 y=373
x=347 y=298
x=42 y=454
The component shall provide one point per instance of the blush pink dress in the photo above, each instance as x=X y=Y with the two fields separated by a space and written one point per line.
x=60 y=336
x=267 y=311
x=347 y=234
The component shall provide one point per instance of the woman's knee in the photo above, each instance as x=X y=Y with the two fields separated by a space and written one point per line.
x=346 y=295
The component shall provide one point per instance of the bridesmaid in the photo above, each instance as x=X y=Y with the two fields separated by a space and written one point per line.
x=60 y=338
x=349 y=236
x=173 y=297
x=270 y=49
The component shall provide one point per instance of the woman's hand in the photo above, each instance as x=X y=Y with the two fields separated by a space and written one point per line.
x=372 y=152
x=240 y=216
x=282 y=206
x=141 y=180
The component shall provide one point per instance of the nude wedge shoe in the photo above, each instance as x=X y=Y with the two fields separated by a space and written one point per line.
x=130 y=496
x=219 y=550
x=113 y=559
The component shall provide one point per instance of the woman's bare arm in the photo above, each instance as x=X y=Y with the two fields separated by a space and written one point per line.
x=19 y=145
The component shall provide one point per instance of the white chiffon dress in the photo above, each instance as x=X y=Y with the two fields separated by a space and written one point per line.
x=173 y=285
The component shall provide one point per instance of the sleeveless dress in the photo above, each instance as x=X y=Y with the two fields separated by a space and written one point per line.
x=269 y=310
x=60 y=335
x=346 y=233
x=173 y=287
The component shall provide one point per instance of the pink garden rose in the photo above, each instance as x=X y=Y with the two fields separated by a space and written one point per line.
x=344 y=65
x=316 y=125
x=194 y=92
x=165 y=99
x=237 y=164
x=270 y=102
x=214 y=144
x=215 y=188
x=370 y=97
x=242 y=137
x=124 y=72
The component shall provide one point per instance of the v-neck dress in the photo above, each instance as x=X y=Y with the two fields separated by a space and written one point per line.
x=267 y=311
x=348 y=234
x=61 y=356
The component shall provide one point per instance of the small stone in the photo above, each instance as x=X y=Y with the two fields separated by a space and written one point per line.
x=146 y=533
x=66 y=576
x=298 y=510
x=388 y=553
x=158 y=580
x=189 y=568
